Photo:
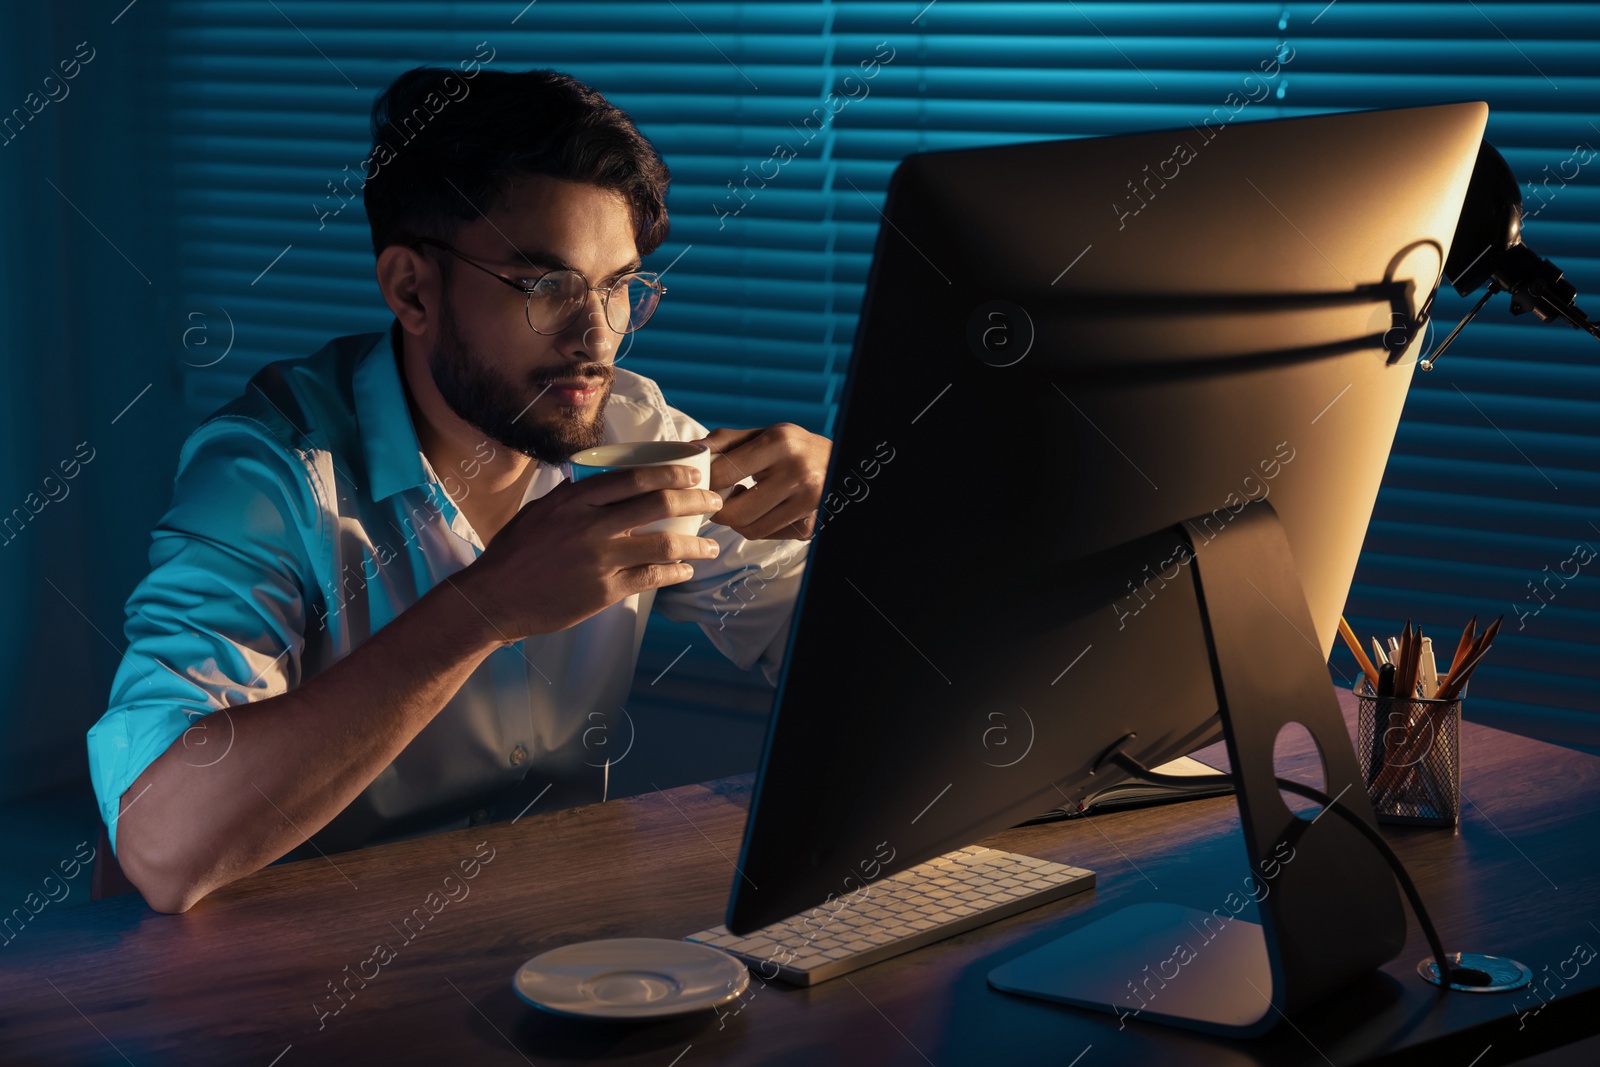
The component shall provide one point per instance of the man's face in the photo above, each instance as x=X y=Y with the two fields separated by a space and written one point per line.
x=542 y=395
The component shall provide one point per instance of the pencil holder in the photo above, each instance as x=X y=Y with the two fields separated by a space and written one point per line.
x=1410 y=756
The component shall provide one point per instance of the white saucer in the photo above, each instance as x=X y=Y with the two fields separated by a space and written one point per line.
x=630 y=978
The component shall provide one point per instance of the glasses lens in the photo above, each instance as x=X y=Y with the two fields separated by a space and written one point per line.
x=633 y=301
x=556 y=299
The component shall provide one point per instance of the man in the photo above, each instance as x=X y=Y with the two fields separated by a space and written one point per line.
x=378 y=604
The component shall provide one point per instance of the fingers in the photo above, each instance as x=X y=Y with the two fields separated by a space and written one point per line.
x=731 y=516
x=787 y=463
x=738 y=454
x=612 y=486
x=659 y=504
x=792 y=519
x=636 y=550
x=725 y=440
x=655 y=575
x=801 y=529
x=766 y=511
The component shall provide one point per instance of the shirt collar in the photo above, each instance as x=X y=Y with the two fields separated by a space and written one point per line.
x=394 y=456
x=389 y=438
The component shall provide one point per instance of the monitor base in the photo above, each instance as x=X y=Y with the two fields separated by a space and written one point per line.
x=1329 y=910
x=1162 y=963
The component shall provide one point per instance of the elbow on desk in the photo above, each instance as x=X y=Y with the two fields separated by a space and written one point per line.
x=160 y=888
x=170 y=903
x=157 y=870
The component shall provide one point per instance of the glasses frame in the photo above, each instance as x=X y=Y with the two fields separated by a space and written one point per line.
x=650 y=278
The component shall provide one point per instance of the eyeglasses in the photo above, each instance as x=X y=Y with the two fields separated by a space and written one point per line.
x=556 y=298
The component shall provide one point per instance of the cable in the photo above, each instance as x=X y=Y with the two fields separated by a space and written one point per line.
x=1448 y=973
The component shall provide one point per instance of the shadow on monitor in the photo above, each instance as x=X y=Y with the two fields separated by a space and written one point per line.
x=1125 y=403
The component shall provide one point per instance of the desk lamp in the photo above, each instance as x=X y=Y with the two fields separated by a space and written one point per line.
x=1488 y=247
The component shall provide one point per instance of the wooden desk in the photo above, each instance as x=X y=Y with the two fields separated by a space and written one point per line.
x=238 y=979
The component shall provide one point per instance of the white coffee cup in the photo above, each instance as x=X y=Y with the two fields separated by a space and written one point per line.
x=694 y=454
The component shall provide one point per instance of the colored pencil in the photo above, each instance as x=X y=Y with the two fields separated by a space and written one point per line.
x=1362 y=661
x=1465 y=643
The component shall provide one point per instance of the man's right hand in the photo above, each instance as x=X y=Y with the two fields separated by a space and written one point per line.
x=299 y=758
x=568 y=554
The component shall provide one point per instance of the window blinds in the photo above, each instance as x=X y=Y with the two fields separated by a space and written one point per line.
x=781 y=122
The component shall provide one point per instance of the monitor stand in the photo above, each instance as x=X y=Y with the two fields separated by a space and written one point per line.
x=1329 y=910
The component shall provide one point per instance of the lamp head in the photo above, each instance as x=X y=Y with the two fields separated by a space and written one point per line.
x=1490 y=224
x=1488 y=248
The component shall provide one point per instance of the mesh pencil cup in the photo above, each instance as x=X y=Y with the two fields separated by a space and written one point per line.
x=1410 y=756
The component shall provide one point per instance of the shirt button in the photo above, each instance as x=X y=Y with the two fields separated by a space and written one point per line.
x=518 y=754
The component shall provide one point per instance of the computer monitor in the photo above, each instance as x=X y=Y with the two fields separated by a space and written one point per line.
x=1104 y=462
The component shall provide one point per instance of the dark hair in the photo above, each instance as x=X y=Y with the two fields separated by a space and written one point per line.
x=446 y=145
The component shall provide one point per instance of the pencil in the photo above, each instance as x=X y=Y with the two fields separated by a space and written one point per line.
x=1362 y=661
x=1451 y=690
x=1408 y=660
x=1458 y=679
x=1380 y=720
x=1465 y=643
x=1492 y=632
x=1405 y=683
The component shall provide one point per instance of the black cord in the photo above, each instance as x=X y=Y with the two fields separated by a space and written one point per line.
x=1448 y=973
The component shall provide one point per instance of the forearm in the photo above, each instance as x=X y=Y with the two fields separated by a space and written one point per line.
x=294 y=761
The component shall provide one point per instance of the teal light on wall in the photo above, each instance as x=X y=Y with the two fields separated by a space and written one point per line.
x=218 y=147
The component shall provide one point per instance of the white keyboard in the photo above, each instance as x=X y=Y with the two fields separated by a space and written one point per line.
x=943 y=897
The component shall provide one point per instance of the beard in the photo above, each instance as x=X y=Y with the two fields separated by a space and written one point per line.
x=504 y=413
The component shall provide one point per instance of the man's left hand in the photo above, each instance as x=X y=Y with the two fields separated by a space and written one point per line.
x=788 y=463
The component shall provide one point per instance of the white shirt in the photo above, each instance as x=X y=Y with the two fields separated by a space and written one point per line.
x=305 y=516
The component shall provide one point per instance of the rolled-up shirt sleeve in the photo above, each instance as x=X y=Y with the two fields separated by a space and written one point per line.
x=220 y=619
